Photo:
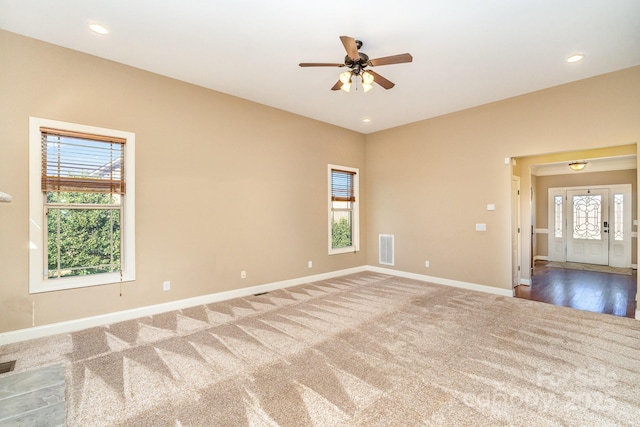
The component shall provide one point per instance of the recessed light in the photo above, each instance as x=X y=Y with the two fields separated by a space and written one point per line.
x=98 y=28
x=576 y=57
x=366 y=120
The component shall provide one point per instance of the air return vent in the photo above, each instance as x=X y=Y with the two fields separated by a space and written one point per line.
x=386 y=249
x=7 y=366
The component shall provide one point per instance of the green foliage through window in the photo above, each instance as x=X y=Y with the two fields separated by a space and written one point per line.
x=83 y=236
x=341 y=233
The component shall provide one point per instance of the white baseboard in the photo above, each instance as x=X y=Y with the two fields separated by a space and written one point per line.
x=540 y=258
x=446 y=282
x=120 y=316
x=526 y=282
x=637 y=314
x=150 y=310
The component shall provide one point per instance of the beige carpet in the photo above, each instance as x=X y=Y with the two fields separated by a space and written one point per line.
x=590 y=267
x=360 y=350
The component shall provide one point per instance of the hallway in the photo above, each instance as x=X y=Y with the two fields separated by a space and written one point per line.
x=605 y=293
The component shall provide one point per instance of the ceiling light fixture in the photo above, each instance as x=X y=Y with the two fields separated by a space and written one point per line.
x=366 y=120
x=98 y=28
x=576 y=57
x=577 y=166
x=357 y=61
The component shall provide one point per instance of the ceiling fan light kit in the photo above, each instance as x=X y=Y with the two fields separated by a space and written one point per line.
x=357 y=62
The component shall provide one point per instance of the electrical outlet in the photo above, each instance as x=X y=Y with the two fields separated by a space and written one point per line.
x=310 y=264
x=243 y=274
x=166 y=286
x=426 y=264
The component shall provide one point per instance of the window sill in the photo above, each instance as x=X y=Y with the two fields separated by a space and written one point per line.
x=346 y=250
x=50 y=285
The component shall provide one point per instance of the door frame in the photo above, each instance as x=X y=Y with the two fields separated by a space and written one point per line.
x=516 y=230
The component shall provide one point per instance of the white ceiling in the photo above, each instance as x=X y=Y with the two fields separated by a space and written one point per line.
x=466 y=52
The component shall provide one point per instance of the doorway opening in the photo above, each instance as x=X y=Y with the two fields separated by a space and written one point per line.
x=594 y=223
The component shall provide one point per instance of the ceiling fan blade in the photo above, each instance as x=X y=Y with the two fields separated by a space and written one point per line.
x=320 y=64
x=349 y=44
x=337 y=86
x=377 y=78
x=394 y=59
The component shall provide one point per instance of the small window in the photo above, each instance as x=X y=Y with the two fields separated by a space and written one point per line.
x=81 y=206
x=343 y=210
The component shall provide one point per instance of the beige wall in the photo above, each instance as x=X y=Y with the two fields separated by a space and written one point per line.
x=223 y=184
x=541 y=195
x=429 y=182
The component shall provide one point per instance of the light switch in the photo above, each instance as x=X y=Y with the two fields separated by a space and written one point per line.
x=491 y=207
x=481 y=227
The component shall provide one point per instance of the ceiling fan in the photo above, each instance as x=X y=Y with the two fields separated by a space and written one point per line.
x=357 y=62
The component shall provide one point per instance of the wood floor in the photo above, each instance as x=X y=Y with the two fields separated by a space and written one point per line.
x=584 y=290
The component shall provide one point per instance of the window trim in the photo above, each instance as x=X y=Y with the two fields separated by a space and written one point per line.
x=355 y=247
x=38 y=282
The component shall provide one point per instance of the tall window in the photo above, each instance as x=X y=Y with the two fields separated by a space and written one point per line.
x=618 y=219
x=85 y=229
x=343 y=209
x=557 y=215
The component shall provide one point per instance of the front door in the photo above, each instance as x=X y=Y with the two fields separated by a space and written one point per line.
x=588 y=226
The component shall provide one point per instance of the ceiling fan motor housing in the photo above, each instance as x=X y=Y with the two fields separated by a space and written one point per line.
x=360 y=64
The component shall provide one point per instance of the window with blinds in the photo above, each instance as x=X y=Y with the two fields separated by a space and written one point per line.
x=342 y=186
x=83 y=184
x=343 y=209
